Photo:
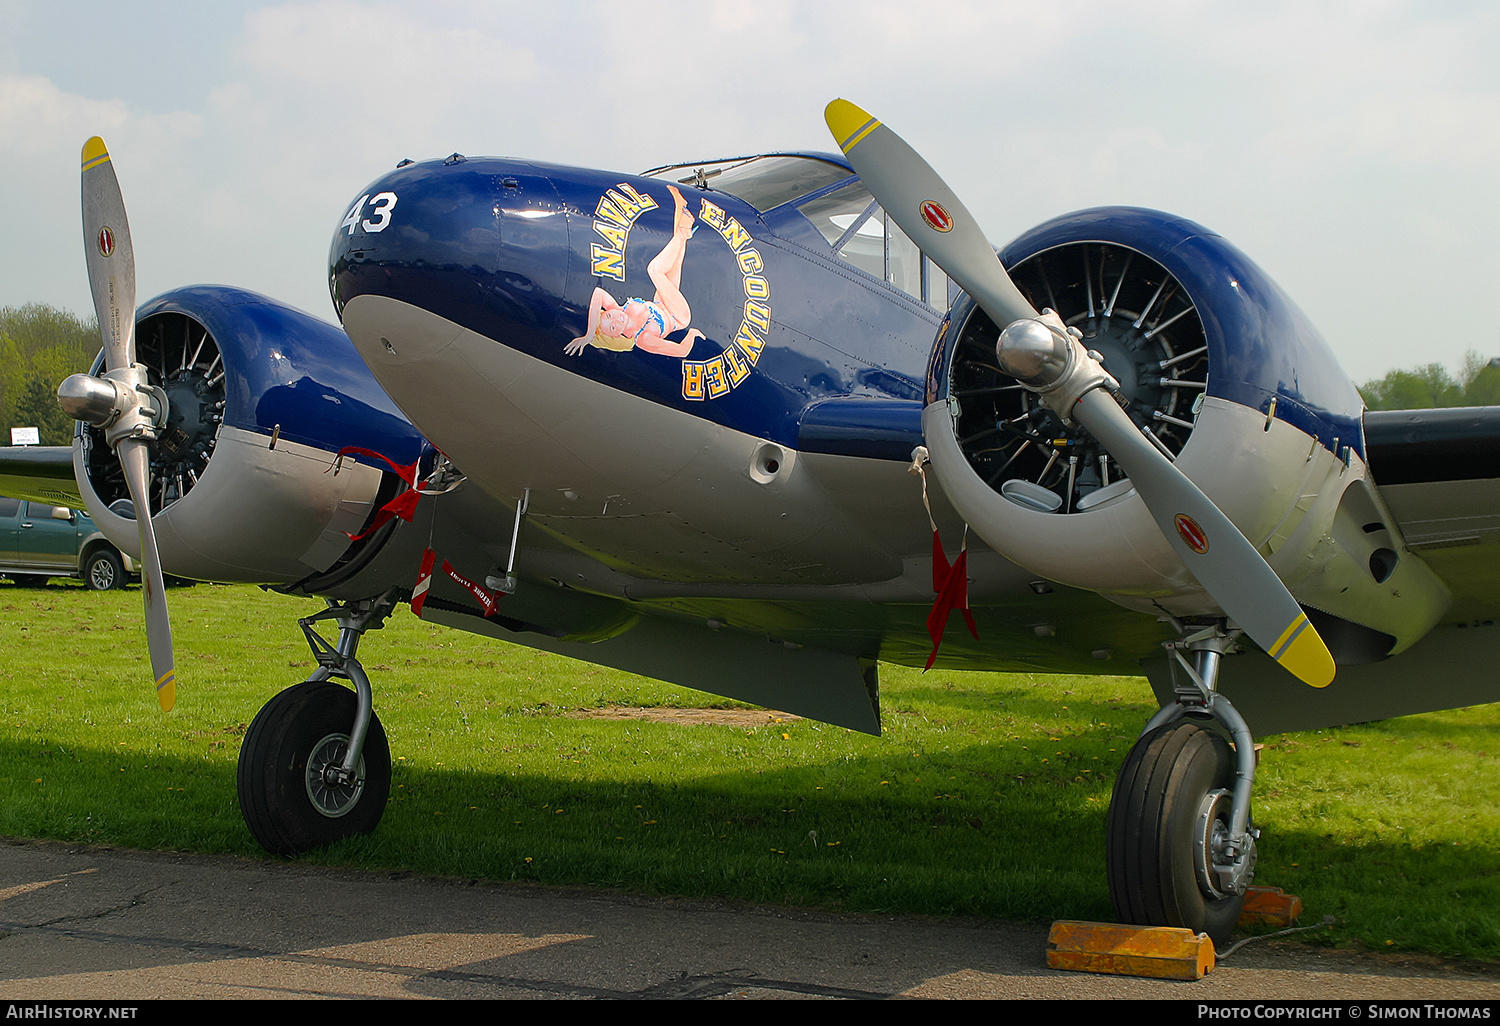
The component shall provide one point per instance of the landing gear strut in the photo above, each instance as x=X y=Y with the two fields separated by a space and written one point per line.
x=1179 y=843
x=315 y=766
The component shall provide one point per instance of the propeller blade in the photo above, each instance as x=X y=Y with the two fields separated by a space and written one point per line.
x=926 y=209
x=115 y=400
x=136 y=461
x=111 y=258
x=1219 y=556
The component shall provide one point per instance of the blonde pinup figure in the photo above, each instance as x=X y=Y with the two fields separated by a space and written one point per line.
x=645 y=324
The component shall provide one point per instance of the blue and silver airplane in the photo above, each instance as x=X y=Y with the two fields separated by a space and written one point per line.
x=756 y=425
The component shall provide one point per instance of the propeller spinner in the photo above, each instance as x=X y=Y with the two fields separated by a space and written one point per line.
x=1045 y=357
x=122 y=401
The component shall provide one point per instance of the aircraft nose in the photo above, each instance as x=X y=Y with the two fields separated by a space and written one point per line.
x=482 y=242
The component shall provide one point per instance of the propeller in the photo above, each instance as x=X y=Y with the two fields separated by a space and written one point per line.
x=1048 y=358
x=121 y=400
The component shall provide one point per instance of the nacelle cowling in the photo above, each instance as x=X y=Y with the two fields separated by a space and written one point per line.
x=261 y=397
x=1229 y=379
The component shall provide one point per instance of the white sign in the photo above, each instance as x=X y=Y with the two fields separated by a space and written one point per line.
x=25 y=436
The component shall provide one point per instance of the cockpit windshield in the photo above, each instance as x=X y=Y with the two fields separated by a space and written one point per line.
x=762 y=182
x=847 y=216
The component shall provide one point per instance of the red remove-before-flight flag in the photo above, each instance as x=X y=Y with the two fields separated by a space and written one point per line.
x=952 y=586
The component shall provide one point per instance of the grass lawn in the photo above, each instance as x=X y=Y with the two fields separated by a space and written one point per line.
x=986 y=795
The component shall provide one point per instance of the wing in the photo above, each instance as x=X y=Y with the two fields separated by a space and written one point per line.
x=41 y=473
x=1438 y=474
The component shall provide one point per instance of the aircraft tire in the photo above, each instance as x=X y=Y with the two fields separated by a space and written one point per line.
x=290 y=810
x=1149 y=846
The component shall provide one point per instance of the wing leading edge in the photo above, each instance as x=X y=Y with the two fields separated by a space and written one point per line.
x=39 y=473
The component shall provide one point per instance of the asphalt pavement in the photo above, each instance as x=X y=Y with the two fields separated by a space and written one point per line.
x=79 y=923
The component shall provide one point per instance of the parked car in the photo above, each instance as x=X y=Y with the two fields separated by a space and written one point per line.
x=38 y=541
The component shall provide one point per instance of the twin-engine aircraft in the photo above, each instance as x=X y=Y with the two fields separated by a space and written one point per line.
x=755 y=425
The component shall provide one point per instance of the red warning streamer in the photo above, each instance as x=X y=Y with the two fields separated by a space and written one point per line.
x=403 y=505
x=952 y=586
x=424 y=581
x=951 y=582
x=488 y=600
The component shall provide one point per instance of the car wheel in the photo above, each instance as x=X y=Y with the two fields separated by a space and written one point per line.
x=103 y=571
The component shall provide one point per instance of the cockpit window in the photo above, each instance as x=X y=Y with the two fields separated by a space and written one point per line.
x=835 y=214
x=763 y=182
x=848 y=217
x=862 y=235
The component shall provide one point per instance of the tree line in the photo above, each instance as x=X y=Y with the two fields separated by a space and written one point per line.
x=1431 y=386
x=39 y=346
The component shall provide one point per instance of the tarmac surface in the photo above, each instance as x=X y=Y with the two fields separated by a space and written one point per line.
x=80 y=923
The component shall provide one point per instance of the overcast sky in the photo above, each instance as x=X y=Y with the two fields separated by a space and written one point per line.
x=1351 y=148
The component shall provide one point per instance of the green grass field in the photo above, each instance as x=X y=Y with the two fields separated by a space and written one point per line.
x=986 y=795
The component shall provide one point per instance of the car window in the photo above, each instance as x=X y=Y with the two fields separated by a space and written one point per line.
x=9 y=507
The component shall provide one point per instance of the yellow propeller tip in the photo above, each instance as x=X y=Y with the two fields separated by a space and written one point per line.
x=166 y=690
x=849 y=123
x=94 y=152
x=1303 y=654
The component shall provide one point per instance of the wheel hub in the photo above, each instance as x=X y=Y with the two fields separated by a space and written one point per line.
x=329 y=792
x=1219 y=874
x=102 y=575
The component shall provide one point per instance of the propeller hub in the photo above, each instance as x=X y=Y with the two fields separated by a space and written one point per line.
x=1034 y=353
x=95 y=401
x=1045 y=355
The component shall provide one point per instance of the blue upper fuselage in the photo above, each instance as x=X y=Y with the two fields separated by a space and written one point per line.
x=793 y=333
x=515 y=251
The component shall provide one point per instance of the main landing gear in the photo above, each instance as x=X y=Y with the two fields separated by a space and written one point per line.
x=315 y=766
x=1179 y=844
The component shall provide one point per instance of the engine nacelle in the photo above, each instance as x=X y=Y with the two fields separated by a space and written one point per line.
x=1228 y=378
x=261 y=397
